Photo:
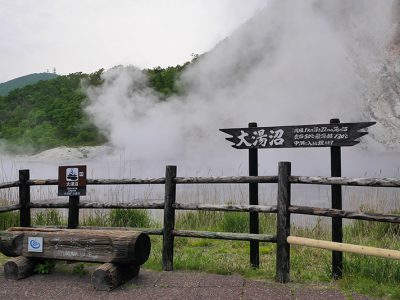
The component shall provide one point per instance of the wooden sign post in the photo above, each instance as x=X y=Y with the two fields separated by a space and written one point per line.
x=333 y=135
x=72 y=183
x=336 y=202
x=253 y=200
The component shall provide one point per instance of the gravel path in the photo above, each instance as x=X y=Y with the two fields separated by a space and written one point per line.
x=163 y=285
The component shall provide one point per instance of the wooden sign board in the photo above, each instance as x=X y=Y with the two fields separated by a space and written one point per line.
x=318 y=135
x=72 y=181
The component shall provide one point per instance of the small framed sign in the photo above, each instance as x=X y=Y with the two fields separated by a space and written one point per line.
x=72 y=181
x=35 y=244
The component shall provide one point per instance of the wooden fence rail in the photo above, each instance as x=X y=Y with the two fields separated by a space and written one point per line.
x=283 y=209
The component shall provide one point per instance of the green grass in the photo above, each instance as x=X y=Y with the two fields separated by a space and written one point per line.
x=368 y=275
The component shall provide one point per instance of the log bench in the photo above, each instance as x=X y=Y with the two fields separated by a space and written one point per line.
x=121 y=252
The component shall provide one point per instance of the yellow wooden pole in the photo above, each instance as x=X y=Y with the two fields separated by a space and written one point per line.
x=365 y=250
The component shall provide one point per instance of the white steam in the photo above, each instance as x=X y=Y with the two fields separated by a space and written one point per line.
x=295 y=62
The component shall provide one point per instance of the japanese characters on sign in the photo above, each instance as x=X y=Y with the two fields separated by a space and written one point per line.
x=319 y=135
x=72 y=181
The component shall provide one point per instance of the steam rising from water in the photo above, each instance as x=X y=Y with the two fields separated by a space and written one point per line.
x=295 y=62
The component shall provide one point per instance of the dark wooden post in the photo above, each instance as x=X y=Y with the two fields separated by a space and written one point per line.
x=73 y=212
x=337 y=231
x=169 y=219
x=24 y=199
x=253 y=200
x=283 y=223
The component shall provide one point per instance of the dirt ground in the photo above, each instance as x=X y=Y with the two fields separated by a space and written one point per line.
x=63 y=284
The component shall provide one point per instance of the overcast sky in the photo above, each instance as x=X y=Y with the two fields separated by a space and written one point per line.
x=86 y=35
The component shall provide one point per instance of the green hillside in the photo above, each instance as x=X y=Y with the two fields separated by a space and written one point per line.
x=50 y=113
x=20 y=82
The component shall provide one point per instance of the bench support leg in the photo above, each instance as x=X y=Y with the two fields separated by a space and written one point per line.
x=108 y=276
x=19 y=267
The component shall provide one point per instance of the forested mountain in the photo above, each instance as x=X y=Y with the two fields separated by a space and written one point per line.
x=20 y=82
x=50 y=113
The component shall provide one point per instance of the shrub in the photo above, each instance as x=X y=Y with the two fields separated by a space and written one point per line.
x=48 y=217
x=129 y=218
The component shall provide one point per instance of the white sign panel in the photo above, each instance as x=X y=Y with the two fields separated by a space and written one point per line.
x=35 y=244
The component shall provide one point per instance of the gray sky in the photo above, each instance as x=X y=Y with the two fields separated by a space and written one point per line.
x=86 y=35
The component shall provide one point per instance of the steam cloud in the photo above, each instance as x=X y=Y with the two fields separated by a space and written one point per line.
x=294 y=62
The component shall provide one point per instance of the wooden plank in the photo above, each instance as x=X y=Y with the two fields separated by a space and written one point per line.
x=10 y=184
x=283 y=223
x=169 y=219
x=149 y=231
x=328 y=245
x=329 y=212
x=227 y=179
x=97 y=205
x=116 y=246
x=109 y=276
x=24 y=199
x=227 y=207
x=126 y=181
x=316 y=135
x=19 y=267
x=225 y=235
x=350 y=181
x=10 y=208
x=43 y=182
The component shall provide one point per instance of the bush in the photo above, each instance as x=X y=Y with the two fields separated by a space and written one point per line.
x=48 y=217
x=130 y=218
x=235 y=222
x=9 y=219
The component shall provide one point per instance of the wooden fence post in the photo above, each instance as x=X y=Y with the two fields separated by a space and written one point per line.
x=169 y=219
x=283 y=223
x=73 y=212
x=24 y=199
x=253 y=200
x=337 y=229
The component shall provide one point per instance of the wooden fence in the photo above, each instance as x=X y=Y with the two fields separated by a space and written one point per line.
x=283 y=209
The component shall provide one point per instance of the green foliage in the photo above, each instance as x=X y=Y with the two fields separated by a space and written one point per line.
x=9 y=219
x=48 y=217
x=165 y=81
x=139 y=218
x=235 y=222
x=79 y=269
x=48 y=114
x=46 y=267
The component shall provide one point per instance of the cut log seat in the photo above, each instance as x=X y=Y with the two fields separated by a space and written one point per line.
x=121 y=251
x=113 y=246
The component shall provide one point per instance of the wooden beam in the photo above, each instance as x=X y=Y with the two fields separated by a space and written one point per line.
x=85 y=204
x=10 y=184
x=227 y=179
x=330 y=212
x=229 y=207
x=283 y=223
x=10 y=208
x=169 y=219
x=365 y=250
x=376 y=182
x=225 y=235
